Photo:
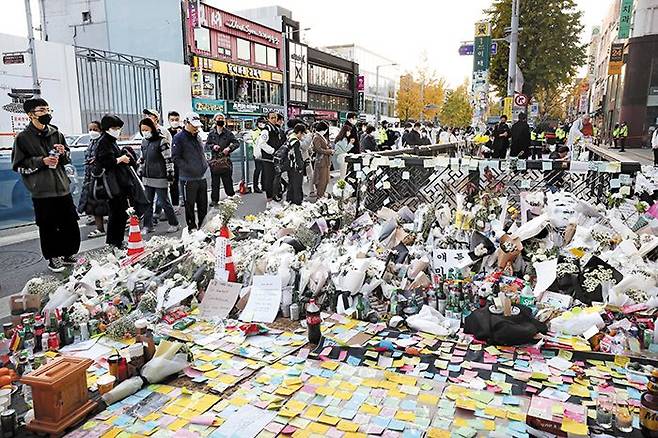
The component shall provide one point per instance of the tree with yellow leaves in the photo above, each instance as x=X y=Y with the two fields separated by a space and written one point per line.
x=408 y=98
x=457 y=110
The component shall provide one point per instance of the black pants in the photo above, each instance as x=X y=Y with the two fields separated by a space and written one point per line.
x=622 y=143
x=258 y=171
x=173 y=188
x=116 y=222
x=57 y=220
x=225 y=178
x=295 y=190
x=268 y=179
x=655 y=157
x=195 y=194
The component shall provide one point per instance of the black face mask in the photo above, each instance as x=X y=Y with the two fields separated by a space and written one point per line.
x=220 y=123
x=45 y=119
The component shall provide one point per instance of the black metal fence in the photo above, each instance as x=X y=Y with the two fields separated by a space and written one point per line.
x=429 y=174
x=115 y=83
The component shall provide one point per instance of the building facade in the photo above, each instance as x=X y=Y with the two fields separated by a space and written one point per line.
x=379 y=90
x=236 y=65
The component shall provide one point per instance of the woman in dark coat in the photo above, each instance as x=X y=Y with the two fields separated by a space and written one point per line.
x=88 y=205
x=368 y=142
x=114 y=161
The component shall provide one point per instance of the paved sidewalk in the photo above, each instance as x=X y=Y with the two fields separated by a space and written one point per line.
x=642 y=156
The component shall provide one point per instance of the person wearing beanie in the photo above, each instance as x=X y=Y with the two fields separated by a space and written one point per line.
x=40 y=155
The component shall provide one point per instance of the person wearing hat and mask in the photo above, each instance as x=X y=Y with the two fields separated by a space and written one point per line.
x=189 y=156
x=155 y=116
x=221 y=143
x=39 y=155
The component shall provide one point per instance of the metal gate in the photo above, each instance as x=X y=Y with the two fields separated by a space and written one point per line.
x=118 y=84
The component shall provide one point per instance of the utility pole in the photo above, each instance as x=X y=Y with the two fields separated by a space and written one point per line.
x=513 y=46
x=285 y=73
x=31 y=51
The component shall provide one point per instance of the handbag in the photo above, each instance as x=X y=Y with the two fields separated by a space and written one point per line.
x=104 y=186
x=220 y=165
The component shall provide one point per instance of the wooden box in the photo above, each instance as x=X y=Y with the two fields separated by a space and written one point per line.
x=59 y=394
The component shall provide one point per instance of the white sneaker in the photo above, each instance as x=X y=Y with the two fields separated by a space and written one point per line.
x=172 y=228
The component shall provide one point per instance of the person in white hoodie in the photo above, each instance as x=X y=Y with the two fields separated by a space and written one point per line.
x=654 y=146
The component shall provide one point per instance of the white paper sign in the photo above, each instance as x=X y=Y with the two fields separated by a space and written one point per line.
x=546 y=275
x=175 y=296
x=264 y=299
x=219 y=299
x=247 y=422
x=445 y=259
x=220 y=262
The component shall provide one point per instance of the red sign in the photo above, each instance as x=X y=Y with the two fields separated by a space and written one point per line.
x=360 y=83
x=326 y=115
x=193 y=12
x=521 y=100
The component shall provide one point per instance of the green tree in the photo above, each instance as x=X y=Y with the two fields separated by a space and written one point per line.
x=457 y=110
x=549 y=51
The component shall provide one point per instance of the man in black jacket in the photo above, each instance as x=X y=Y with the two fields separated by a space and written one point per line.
x=39 y=156
x=520 y=138
x=190 y=158
x=413 y=137
x=269 y=141
x=501 y=135
x=221 y=143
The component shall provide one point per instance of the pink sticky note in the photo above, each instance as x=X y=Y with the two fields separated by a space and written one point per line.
x=342 y=355
x=192 y=373
x=289 y=430
x=205 y=420
x=303 y=353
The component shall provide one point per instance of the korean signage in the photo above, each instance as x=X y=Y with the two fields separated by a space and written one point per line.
x=507 y=107
x=251 y=108
x=362 y=101
x=616 y=59
x=298 y=72
x=482 y=46
x=625 y=12
x=13 y=58
x=208 y=106
x=193 y=12
x=243 y=71
x=593 y=50
x=361 y=83
x=325 y=115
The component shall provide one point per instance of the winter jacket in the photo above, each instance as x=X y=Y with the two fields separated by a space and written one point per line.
x=368 y=143
x=224 y=139
x=188 y=155
x=31 y=146
x=413 y=138
x=520 y=139
x=269 y=141
x=107 y=152
x=156 y=157
x=86 y=204
x=321 y=149
x=501 y=142
x=295 y=160
x=654 y=139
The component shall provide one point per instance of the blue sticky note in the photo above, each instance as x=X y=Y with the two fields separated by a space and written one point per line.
x=348 y=414
x=327 y=373
x=511 y=400
x=408 y=405
x=411 y=433
x=454 y=368
x=396 y=425
x=381 y=421
x=517 y=426
x=633 y=393
x=353 y=360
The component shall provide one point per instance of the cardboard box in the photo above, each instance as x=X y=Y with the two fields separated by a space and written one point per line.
x=20 y=304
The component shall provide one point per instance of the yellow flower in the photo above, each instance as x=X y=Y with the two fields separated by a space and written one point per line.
x=250 y=218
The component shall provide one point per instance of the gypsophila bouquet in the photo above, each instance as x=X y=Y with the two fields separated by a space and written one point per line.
x=227 y=209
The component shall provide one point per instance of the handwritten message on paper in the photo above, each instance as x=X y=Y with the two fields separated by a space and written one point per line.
x=219 y=299
x=264 y=299
x=445 y=259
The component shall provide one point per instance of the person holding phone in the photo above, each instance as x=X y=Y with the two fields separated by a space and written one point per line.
x=39 y=155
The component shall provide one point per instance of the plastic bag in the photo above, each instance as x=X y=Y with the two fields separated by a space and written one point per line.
x=576 y=323
x=429 y=320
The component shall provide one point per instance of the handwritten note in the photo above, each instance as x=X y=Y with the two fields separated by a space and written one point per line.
x=247 y=422
x=445 y=259
x=264 y=299
x=219 y=299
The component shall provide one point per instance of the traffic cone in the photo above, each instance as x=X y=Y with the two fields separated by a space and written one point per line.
x=135 y=242
x=229 y=266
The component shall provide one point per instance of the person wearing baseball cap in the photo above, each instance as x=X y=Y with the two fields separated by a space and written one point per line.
x=189 y=156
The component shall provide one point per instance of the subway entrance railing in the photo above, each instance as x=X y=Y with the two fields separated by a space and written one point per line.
x=435 y=174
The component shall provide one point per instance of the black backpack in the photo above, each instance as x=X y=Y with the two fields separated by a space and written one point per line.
x=281 y=158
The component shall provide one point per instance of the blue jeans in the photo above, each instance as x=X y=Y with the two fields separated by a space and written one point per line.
x=163 y=199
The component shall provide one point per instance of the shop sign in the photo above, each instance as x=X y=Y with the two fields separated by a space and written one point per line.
x=208 y=106
x=482 y=46
x=243 y=71
x=244 y=108
x=193 y=12
x=507 y=107
x=625 y=12
x=360 y=83
x=269 y=108
x=298 y=77
x=251 y=31
x=326 y=115
x=616 y=59
x=13 y=58
x=362 y=101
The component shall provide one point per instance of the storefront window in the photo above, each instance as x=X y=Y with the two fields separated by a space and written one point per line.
x=272 y=57
x=248 y=90
x=202 y=39
x=327 y=102
x=244 y=90
x=260 y=52
x=209 y=86
x=244 y=49
x=226 y=86
x=275 y=94
x=328 y=77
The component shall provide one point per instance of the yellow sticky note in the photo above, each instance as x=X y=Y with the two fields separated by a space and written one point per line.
x=178 y=424
x=295 y=405
x=369 y=409
x=346 y=386
x=343 y=395
x=433 y=432
x=317 y=381
x=460 y=422
x=313 y=412
x=325 y=390
x=428 y=399
x=347 y=426
x=622 y=361
x=579 y=390
x=570 y=426
x=111 y=433
x=326 y=419
x=405 y=416
x=565 y=354
x=330 y=365
x=516 y=416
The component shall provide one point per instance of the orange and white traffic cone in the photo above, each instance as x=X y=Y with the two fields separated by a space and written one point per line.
x=229 y=265
x=243 y=188
x=135 y=242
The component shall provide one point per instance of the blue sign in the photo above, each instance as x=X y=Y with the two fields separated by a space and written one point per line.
x=208 y=106
x=467 y=49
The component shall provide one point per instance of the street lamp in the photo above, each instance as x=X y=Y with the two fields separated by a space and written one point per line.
x=285 y=66
x=394 y=64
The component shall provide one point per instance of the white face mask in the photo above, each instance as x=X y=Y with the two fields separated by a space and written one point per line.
x=174 y=124
x=94 y=134
x=322 y=132
x=147 y=134
x=114 y=132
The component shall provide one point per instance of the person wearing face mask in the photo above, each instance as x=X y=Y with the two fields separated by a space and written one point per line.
x=156 y=155
x=268 y=143
x=174 y=128
x=323 y=153
x=350 y=133
x=424 y=137
x=221 y=143
x=189 y=156
x=258 y=154
x=154 y=115
x=368 y=142
x=39 y=155
x=87 y=204
x=112 y=160
x=296 y=165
